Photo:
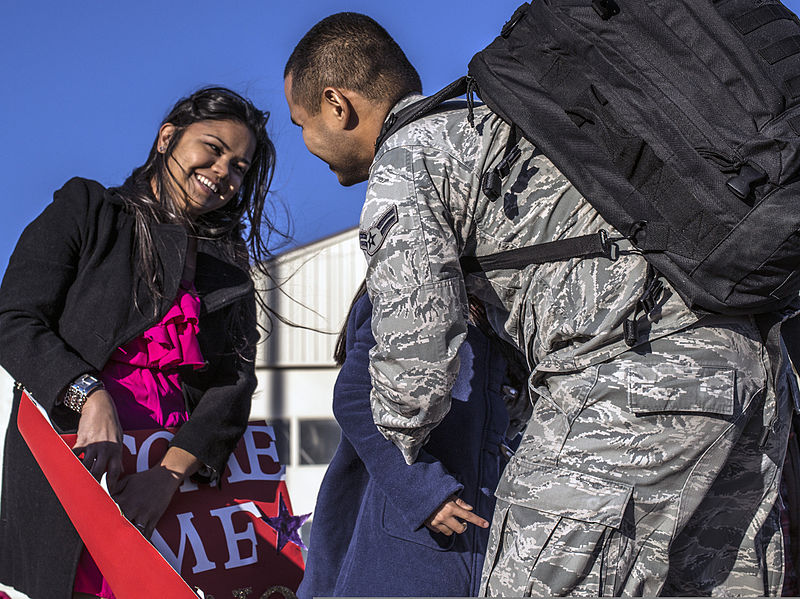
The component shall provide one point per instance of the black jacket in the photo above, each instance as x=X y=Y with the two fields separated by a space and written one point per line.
x=66 y=303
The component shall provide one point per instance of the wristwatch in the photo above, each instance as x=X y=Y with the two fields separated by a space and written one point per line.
x=79 y=391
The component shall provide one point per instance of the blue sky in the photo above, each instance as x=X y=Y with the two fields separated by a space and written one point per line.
x=87 y=83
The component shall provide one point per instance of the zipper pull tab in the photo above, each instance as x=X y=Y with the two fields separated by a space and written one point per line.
x=492 y=181
x=630 y=330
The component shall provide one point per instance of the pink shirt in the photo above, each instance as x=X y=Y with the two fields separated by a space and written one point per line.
x=142 y=375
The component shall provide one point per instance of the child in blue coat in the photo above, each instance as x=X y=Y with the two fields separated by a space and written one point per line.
x=384 y=528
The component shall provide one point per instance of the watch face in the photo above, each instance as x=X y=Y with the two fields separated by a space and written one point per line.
x=78 y=391
x=86 y=382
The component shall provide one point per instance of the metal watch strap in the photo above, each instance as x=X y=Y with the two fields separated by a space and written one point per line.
x=79 y=391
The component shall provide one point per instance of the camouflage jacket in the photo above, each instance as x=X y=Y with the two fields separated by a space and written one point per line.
x=424 y=210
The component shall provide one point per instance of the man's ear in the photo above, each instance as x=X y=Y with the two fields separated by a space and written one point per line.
x=338 y=108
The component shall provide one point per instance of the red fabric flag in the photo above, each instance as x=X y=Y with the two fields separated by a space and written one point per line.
x=241 y=537
x=87 y=504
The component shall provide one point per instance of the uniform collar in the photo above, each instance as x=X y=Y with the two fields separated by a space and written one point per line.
x=402 y=103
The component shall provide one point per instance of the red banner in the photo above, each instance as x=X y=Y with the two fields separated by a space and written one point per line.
x=238 y=540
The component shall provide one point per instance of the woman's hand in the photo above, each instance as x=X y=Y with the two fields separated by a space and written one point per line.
x=452 y=517
x=100 y=437
x=144 y=497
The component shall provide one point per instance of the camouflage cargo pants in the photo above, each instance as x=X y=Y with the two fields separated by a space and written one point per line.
x=649 y=474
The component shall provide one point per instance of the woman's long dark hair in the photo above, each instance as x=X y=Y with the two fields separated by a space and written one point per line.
x=240 y=229
x=340 y=351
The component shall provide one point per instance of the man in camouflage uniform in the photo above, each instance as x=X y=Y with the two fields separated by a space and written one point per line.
x=643 y=470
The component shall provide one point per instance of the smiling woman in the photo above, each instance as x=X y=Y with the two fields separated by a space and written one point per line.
x=134 y=308
x=212 y=158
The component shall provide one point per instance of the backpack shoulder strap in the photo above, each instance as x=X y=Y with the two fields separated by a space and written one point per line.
x=412 y=112
x=582 y=246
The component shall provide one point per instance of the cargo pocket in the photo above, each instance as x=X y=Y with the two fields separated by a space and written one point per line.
x=663 y=387
x=560 y=532
x=395 y=526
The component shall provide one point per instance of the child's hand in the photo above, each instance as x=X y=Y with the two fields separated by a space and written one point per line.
x=452 y=517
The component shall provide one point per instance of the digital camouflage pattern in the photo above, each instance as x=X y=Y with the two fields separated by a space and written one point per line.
x=563 y=315
x=625 y=448
x=643 y=476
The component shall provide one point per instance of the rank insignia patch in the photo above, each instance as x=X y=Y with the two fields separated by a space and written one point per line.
x=372 y=239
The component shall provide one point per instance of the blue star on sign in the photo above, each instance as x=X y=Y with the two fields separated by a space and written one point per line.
x=287 y=526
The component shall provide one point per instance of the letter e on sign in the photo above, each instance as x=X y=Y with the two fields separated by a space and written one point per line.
x=253 y=452
x=233 y=538
x=187 y=531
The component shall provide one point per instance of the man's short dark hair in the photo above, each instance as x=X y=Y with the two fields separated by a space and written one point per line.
x=350 y=51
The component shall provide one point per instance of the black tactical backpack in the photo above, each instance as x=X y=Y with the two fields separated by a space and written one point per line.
x=678 y=120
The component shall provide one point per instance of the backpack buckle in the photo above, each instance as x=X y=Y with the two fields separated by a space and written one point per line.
x=742 y=184
x=609 y=245
x=605 y=8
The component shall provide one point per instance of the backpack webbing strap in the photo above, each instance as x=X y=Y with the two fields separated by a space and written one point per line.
x=794 y=123
x=398 y=120
x=793 y=86
x=583 y=246
x=760 y=16
x=782 y=49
